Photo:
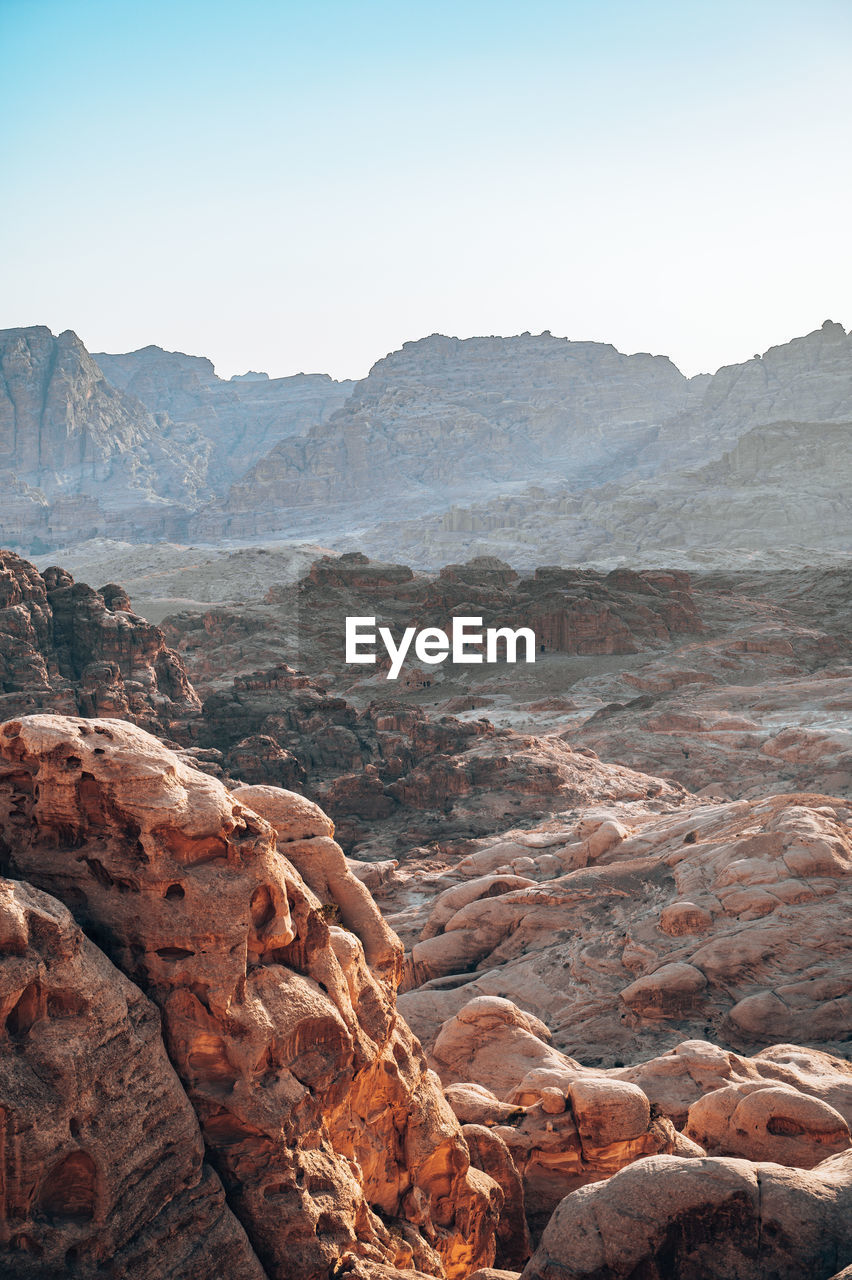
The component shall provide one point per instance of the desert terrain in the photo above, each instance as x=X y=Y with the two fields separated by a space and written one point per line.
x=538 y=968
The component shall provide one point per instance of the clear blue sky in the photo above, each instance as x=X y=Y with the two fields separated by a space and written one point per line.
x=291 y=187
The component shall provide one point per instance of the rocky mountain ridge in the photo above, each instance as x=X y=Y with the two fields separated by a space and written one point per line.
x=569 y=445
x=444 y=414
x=241 y=418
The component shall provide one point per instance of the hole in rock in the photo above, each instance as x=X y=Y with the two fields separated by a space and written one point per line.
x=784 y=1127
x=25 y=1011
x=328 y=1225
x=175 y=891
x=174 y=953
x=69 y=1190
x=277 y=1189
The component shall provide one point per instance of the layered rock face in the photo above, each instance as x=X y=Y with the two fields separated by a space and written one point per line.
x=554 y=440
x=332 y=1139
x=240 y=418
x=777 y=496
x=102 y=1158
x=65 y=647
x=80 y=456
x=442 y=415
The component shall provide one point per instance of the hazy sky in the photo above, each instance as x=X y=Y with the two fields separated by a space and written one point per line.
x=290 y=187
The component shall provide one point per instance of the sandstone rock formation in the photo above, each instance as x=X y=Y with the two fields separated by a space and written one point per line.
x=563 y=1125
x=728 y=920
x=67 y=648
x=721 y=1219
x=736 y=680
x=102 y=1165
x=758 y=703
x=390 y=776
x=330 y=1136
x=570 y=611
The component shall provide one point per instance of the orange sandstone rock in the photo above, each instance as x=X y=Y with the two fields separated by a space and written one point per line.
x=102 y=1166
x=313 y=1096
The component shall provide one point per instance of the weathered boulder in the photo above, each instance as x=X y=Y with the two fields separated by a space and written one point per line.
x=563 y=1124
x=718 y=921
x=720 y=1219
x=765 y=1121
x=676 y=1080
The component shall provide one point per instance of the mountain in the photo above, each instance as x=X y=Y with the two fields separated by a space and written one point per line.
x=806 y=380
x=779 y=495
x=442 y=418
x=529 y=447
x=76 y=453
x=241 y=418
x=128 y=446
x=557 y=442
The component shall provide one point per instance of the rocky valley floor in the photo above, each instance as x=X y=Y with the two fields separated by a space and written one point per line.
x=542 y=968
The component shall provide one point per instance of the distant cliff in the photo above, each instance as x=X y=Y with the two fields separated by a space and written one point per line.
x=532 y=447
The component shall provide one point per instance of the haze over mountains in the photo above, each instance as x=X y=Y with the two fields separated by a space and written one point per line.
x=533 y=447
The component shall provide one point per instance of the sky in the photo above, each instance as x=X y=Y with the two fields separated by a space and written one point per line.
x=296 y=187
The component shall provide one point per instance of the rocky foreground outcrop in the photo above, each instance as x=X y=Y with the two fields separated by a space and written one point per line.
x=331 y=1138
x=102 y=1164
x=65 y=647
x=567 y=1124
x=295 y=1128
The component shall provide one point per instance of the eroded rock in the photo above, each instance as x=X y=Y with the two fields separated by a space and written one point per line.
x=103 y=1161
x=313 y=1097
